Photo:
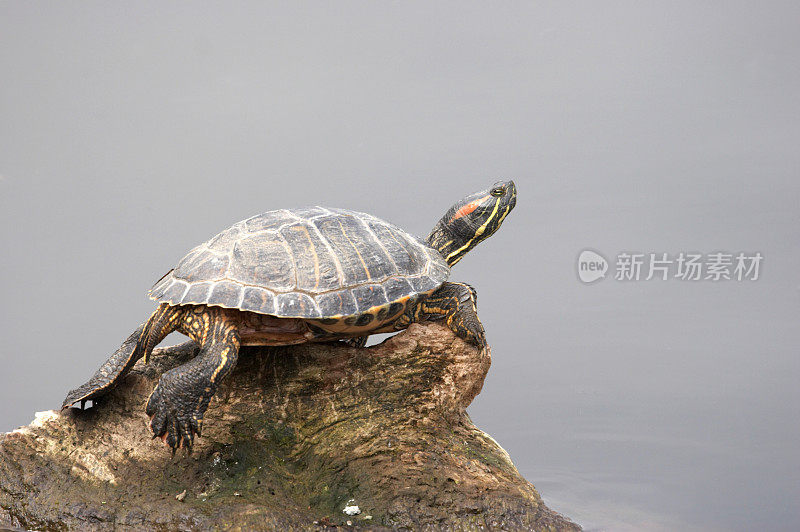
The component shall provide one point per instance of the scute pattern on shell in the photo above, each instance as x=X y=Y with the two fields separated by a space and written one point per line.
x=311 y=262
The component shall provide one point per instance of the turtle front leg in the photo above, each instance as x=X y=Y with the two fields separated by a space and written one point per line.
x=456 y=304
x=360 y=341
x=179 y=401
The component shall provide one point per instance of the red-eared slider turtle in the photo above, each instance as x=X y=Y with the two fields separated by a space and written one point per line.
x=299 y=275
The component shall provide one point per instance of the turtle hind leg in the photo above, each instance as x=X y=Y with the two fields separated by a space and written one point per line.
x=455 y=304
x=138 y=344
x=111 y=370
x=179 y=401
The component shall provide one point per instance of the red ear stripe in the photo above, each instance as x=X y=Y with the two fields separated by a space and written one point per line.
x=468 y=208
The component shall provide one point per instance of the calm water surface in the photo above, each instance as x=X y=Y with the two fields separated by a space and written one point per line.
x=671 y=448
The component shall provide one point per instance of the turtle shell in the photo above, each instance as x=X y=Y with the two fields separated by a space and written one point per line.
x=312 y=263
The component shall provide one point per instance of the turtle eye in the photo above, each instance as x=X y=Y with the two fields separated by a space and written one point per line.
x=498 y=191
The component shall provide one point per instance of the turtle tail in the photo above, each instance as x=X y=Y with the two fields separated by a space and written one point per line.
x=139 y=344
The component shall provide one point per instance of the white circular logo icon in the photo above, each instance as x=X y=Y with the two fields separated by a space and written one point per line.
x=591 y=266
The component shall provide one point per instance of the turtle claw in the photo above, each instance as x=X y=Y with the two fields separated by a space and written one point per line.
x=174 y=432
x=175 y=425
x=456 y=304
x=179 y=401
x=158 y=420
x=475 y=334
x=197 y=426
x=78 y=395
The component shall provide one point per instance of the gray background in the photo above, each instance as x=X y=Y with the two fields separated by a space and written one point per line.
x=131 y=132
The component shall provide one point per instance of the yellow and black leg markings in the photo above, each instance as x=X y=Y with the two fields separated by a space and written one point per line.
x=456 y=304
x=360 y=341
x=163 y=321
x=177 y=405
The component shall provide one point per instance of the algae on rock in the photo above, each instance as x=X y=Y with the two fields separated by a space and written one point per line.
x=294 y=436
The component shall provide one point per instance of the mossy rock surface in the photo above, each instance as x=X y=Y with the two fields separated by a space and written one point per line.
x=294 y=436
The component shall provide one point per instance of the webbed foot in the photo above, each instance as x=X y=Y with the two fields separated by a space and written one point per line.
x=468 y=327
x=109 y=373
x=176 y=409
x=180 y=399
x=455 y=304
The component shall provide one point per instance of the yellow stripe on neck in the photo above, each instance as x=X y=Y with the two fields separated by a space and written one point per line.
x=478 y=233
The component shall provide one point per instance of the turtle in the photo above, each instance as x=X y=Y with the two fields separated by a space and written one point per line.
x=290 y=276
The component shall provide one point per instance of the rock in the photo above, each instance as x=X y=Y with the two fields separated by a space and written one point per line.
x=294 y=437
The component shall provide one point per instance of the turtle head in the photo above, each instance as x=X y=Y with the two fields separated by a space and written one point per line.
x=472 y=220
